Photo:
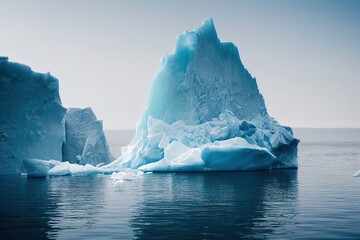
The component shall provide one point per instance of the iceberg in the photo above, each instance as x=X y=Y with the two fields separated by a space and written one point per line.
x=31 y=116
x=35 y=126
x=205 y=113
x=85 y=139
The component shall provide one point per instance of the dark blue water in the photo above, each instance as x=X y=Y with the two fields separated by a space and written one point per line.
x=319 y=200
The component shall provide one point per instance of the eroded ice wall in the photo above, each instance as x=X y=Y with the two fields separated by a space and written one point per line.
x=31 y=116
x=85 y=138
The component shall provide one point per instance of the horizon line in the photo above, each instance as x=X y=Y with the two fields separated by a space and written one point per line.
x=344 y=128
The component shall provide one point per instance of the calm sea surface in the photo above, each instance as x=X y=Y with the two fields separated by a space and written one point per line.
x=319 y=200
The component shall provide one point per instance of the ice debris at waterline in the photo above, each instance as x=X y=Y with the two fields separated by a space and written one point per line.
x=42 y=168
x=205 y=113
x=35 y=125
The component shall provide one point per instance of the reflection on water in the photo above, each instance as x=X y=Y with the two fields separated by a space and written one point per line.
x=40 y=208
x=319 y=200
x=77 y=202
x=215 y=205
x=164 y=206
x=23 y=206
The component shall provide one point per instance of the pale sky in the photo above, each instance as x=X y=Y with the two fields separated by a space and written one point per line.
x=305 y=55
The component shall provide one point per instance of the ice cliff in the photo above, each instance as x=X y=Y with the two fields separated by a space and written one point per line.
x=205 y=113
x=32 y=122
x=85 y=139
x=31 y=116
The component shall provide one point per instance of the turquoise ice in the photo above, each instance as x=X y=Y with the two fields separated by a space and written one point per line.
x=205 y=113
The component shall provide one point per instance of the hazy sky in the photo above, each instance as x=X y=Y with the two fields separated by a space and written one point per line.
x=305 y=55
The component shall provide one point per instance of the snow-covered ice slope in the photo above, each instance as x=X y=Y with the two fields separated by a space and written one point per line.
x=85 y=139
x=205 y=113
x=31 y=116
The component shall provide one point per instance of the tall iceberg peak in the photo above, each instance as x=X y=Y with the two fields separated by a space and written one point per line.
x=206 y=108
x=202 y=79
x=207 y=29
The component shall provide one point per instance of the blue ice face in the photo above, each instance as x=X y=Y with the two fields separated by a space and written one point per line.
x=202 y=79
x=31 y=116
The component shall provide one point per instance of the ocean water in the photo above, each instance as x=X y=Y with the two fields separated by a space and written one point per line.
x=321 y=199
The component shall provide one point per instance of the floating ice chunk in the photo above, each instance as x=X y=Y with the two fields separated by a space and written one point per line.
x=357 y=174
x=118 y=184
x=127 y=175
x=38 y=168
x=90 y=169
x=139 y=173
x=43 y=168
x=60 y=170
x=77 y=169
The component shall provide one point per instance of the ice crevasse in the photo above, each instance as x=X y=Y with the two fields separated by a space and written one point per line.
x=205 y=113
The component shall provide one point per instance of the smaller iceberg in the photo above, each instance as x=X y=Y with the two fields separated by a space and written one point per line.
x=34 y=125
x=357 y=174
x=85 y=141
